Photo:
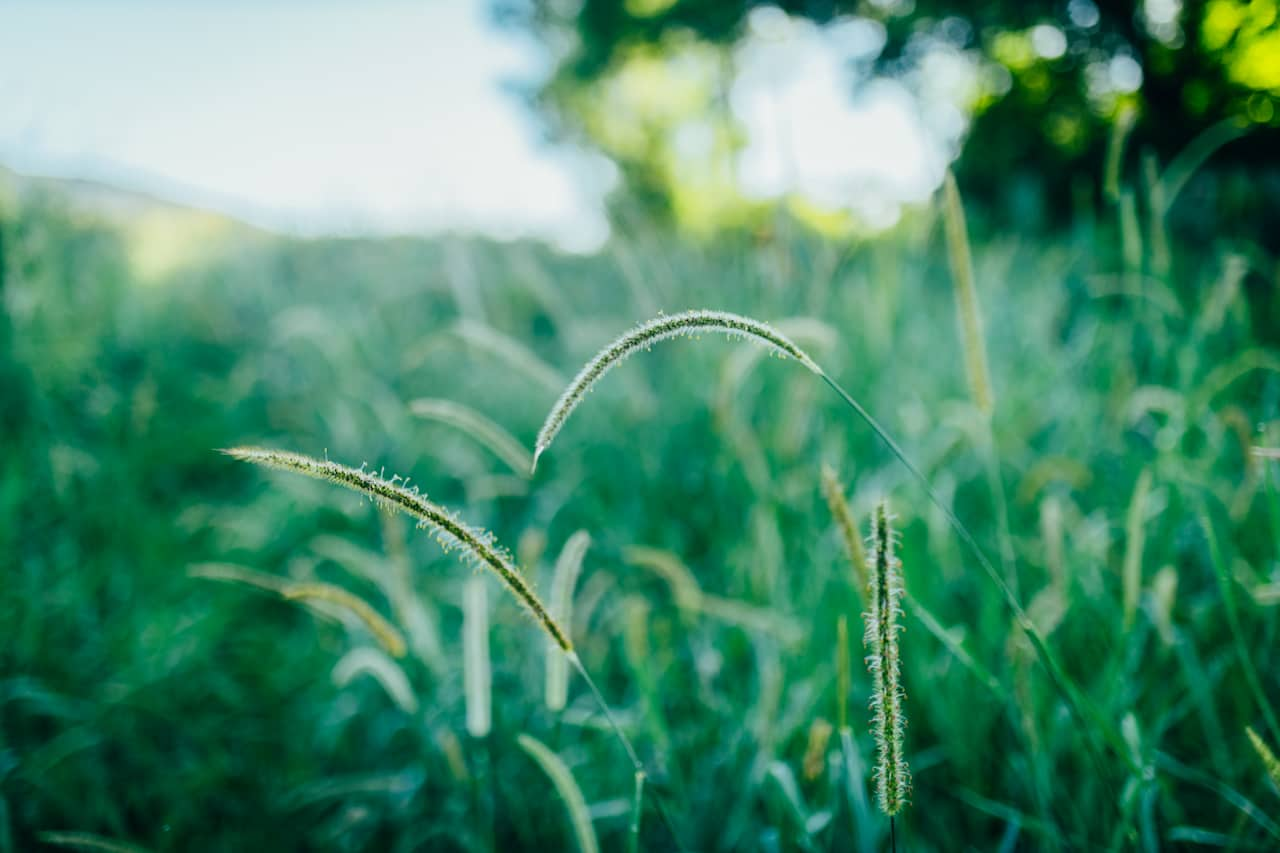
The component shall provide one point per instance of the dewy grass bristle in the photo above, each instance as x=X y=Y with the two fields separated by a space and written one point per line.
x=893 y=780
x=476 y=545
x=646 y=334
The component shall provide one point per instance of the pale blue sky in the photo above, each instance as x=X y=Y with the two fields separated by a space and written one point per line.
x=388 y=116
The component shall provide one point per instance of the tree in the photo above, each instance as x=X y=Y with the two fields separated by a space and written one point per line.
x=1055 y=79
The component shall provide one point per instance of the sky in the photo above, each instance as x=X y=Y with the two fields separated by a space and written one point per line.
x=319 y=116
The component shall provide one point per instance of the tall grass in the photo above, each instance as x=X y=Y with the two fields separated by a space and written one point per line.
x=137 y=705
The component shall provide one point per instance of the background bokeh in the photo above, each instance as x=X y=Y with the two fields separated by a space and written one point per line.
x=282 y=224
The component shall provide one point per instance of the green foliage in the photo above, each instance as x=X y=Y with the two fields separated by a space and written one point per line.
x=1054 y=80
x=143 y=707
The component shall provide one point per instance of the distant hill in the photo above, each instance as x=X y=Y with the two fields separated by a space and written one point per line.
x=162 y=236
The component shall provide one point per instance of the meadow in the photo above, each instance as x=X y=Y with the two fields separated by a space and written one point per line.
x=180 y=669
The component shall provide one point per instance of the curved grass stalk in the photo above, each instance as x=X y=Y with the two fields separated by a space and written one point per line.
x=1189 y=160
x=387 y=635
x=733 y=324
x=476 y=545
x=88 y=841
x=450 y=532
x=509 y=350
x=563 y=581
x=690 y=599
x=647 y=334
x=579 y=817
x=388 y=674
x=893 y=780
x=497 y=440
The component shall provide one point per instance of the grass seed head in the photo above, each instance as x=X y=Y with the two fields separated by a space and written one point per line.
x=476 y=545
x=893 y=780
x=643 y=337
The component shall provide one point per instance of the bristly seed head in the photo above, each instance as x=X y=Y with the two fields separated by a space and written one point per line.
x=893 y=780
x=450 y=532
x=641 y=337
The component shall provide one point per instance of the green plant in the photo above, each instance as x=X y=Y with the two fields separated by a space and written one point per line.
x=893 y=779
x=477 y=546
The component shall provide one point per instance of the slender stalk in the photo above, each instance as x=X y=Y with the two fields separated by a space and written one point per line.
x=637 y=807
x=1233 y=622
x=1082 y=711
x=630 y=750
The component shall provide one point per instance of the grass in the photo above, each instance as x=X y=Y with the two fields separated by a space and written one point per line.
x=142 y=706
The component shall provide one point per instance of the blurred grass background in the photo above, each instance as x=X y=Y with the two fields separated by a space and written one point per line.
x=1131 y=301
x=148 y=705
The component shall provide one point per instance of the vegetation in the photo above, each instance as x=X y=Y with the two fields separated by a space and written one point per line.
x=1052 y=83
x=1110 y=685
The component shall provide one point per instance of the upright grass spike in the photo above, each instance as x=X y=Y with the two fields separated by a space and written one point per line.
x=1135 y=539
x=563 y=581
x=477 y=672
x=642 y=336
x=450 y=532
x=1269 y=761
x=1089 y=716
x=970 y=313
x=893 y=780
x=839 y=508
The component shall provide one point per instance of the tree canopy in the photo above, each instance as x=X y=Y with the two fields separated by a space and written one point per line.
x=1051 y=82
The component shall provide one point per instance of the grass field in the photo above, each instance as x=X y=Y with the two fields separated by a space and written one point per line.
x=159 y=687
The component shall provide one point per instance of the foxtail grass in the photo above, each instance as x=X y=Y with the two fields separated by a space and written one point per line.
x=476 y=546
x=838 y=506
x=311 y=594
x=1268 y=758
x=1114 y=165
x=647 y=334
x=967 y=308
x=893 y=779
x=372 y=662
x=662 y=328
x=584 y=832
x=974 y=343
x=563 y=581
x=467 y=420
x=387 y=635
